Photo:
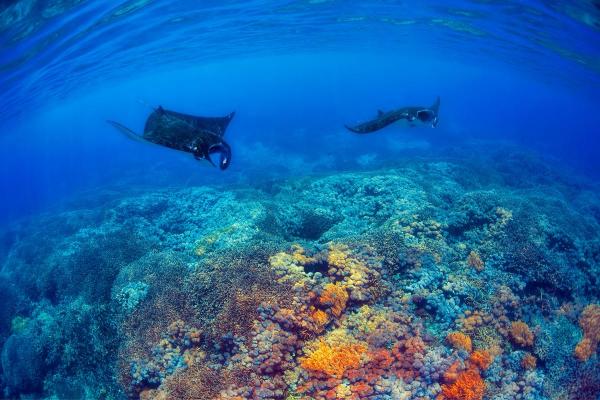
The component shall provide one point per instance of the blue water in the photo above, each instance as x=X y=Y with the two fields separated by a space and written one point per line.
x=88 y=215
x=295 y=72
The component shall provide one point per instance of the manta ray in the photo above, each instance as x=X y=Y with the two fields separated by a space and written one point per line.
x=201 y=136
x=427 y=115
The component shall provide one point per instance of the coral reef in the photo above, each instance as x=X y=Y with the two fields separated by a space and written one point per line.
x=430 y=280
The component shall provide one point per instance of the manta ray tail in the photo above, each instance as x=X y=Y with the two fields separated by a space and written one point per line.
x=128 y=132
x=351 y=129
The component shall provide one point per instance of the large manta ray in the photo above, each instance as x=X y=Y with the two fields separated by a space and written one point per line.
x=422 y=114
x=201 y=136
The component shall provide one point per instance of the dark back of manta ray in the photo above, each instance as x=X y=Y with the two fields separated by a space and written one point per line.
x=216 y=125
x=182 y=131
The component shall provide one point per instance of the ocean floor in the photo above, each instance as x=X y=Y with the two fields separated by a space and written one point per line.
x=462 y=277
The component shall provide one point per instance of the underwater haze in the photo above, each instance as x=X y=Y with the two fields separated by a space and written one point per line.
x=356 y=243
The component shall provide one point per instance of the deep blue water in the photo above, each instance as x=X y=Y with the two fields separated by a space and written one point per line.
x=295 y=72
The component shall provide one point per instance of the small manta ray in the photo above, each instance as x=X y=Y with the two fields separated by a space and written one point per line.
x=426 y=115
x=201 y=136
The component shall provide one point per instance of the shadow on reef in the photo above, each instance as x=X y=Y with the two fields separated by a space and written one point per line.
x=434 y=279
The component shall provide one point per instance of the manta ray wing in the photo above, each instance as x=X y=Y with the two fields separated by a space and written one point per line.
x=216 y=125
x=132 y=135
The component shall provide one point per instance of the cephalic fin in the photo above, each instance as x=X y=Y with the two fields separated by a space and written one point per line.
x=436 y=106
x=380 y=113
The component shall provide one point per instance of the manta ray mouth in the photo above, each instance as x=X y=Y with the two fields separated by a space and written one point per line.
x=224 y=152
x=425 y=115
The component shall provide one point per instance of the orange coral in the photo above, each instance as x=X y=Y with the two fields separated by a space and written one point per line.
x=333 y=360
x=481 y=359
x=584 y=349
x=589 y=321
x=451 y=373
x=467 y=386
x=335 y=296
x=381 y=358
x=362 y=389
x=473 y=320
x=529 y=361
x=521 y=334
x=459 y=340
x=320 y=317
x=475 y=261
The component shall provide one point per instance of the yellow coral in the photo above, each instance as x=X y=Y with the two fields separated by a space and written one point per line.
x=339 y=255
x=211 y=238
x=288 y=267
x=343 y=391
x=367 y=319
x=342 y=263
